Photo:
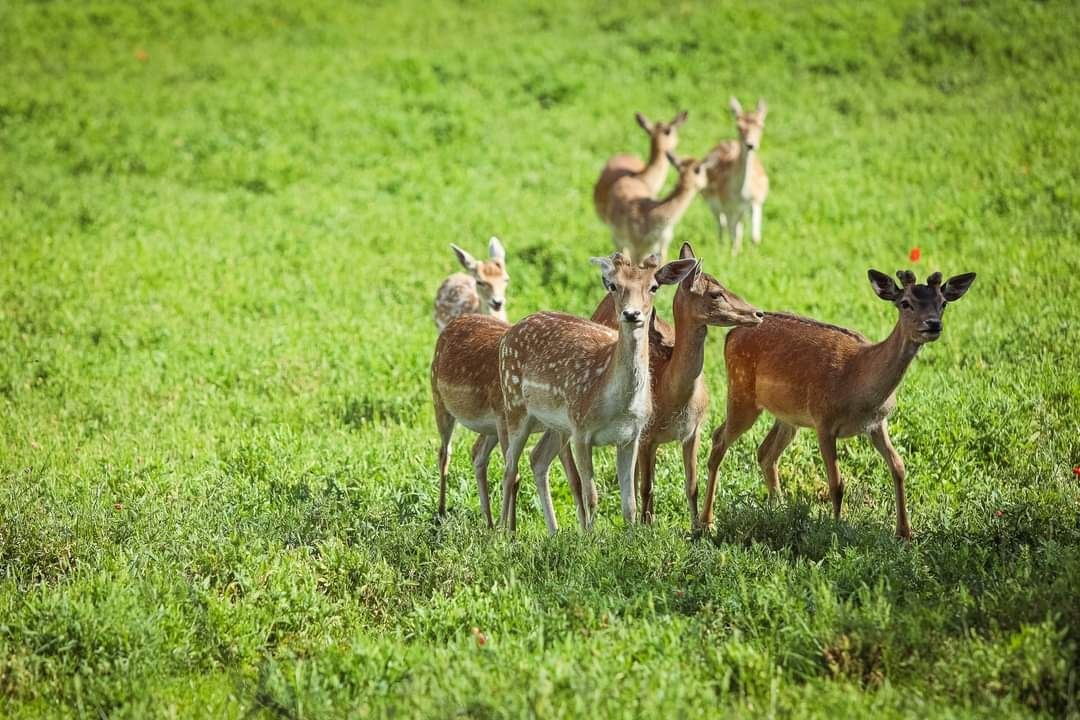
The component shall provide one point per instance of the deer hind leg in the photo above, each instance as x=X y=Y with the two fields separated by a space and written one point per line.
x=740 y=418
x=827 y=445
x=721 y=218
x=769 y=452
x=735 y=226
x=625 y=460
x=646 y=471
x=689 y=459
x=481 y=455
x=755 y=223
x=879 y=436
x=445 y=422
x=517 y=433
x=545 y=451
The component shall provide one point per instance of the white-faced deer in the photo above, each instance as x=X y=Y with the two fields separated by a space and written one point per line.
x=642 y=225
x=809 y=374
x=738 y=185
x=481 y=289
x=663 y=138
x=583 y=381
x=680 y=397
x=465 y=389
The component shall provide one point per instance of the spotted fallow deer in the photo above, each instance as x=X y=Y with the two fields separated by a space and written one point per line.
x=642 y=225
x=465 y=389
x=663 y=138
x=680 y=396
x=738 y=184
x=481 y=289
x=809 y=374
x=583 y=381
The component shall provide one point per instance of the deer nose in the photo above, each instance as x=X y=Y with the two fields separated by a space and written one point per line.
x=632 y=315
x=759 y=315
x=751 y=146
x=496 y=304
x=933 y=326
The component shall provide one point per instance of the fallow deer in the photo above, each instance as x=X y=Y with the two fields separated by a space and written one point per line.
x=583 y=381
x=738 y=184
x=680 y=396
x=809 y=374
x=465 y=389
x=642 y=225
x=663 y=138
x=481 y=289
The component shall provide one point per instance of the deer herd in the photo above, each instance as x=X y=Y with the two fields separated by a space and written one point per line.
x=627 y=378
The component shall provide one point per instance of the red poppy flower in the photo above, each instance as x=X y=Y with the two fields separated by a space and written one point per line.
x=998 y=513
x=915 y=254
x=1076 y=471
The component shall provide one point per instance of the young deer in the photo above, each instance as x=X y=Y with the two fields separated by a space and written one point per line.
x=583 y=381
x=642 y=225
x=465 y=389
x=663 y=138
x=482 y=290
x=737 y=181
x=680 y=397
x=809 y=374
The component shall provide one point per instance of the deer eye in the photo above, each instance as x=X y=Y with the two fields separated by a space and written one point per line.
x=653 y=288
x=483 y=284
x=668 y=131
x=905 y=305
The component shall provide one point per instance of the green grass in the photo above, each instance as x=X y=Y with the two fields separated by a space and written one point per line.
x=221 y=230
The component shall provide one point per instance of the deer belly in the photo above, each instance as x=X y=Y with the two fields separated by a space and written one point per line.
x=618 y=432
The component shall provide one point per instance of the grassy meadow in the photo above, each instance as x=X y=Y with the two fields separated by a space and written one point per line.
x=221 y=229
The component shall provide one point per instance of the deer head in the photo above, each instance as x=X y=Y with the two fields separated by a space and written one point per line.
x=702 y=298
x=920 y=306
x=490 y=275
x=633 y=286
x=751 y=125
x=692 y=173
x=664 y=135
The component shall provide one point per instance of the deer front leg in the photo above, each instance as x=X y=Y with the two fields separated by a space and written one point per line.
x=879 y=436
x=583 y=460
x=517 y=435
x=735 y=225
x=646 y=470
x=481 y=454
x=689 y=461
x=827 y=445
x=755 y=223
x=574 y=479
x=625 y=460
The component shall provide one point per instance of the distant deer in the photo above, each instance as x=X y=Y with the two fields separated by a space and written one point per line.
x=738 y=185
x=680 y=397
x=584 y=381
x=663 y=138
x=642 y=225
x=465 y=389
x=481 y=289
x=809 y=374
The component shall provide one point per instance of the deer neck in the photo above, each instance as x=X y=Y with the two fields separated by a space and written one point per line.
x=669 y=210
x=628 y=370
x=741 y=176
x=654 y=173
x=684 y=370
x=882 y=366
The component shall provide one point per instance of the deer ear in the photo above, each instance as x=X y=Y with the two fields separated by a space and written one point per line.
x=735 y=105
x=885 y=287
x=955 y=287
x=467 y=261
x=762 y=108
x=675 y=271
x=643 y=122
x=495 y=249
x=679 y=119
x=686 y=251
x=607 y=269
x=671 y=158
